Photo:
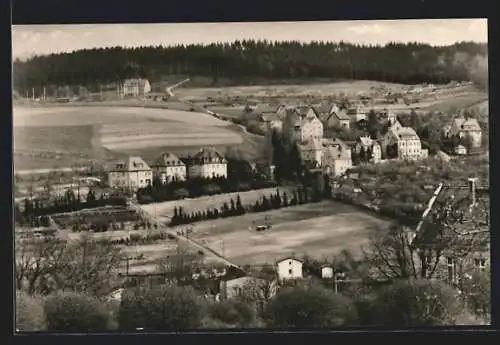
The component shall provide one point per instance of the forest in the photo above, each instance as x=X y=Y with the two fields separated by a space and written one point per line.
x=243 y=62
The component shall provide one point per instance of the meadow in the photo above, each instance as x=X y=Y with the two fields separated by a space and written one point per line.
x=48 y=137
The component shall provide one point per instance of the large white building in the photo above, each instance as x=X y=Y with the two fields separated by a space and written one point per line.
x=403 y=143
x=290 y=268
x=467 y=127
x=302 y=125
x=168 y=168
x=136 y=87
x=133 y=173
x=207 y=163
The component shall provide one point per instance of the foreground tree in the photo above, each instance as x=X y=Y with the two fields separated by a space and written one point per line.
x=162 y=308
x=417 y=303
x=310 y=307
x=76 y=312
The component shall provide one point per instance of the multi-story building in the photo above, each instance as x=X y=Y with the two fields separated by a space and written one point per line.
x=137 y=87
x=207 y=163
x=132 y=173
x=403 y=143
x=312 y=151
x=370 y=147
x=338 y=118
x=336 y=158
x=467 y=127
x=356 y=114
x=168 y=168
x=290 y=268
x=301 y=125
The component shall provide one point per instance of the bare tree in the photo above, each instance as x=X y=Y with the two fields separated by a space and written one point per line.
x=259 y=290
x=180 y=266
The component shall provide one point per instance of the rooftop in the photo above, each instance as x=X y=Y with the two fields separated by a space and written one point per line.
x=207 y=155
x=168 y=159
x=133 y=163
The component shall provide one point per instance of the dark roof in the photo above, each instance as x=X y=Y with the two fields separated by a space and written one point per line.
x=167 y=160
x=131 y=164
x=207 y=155
x=290 y=257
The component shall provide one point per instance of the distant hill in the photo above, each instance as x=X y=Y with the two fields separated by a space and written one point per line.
x=246 y=61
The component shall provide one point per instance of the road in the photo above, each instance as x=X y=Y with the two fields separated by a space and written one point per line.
x=182 y=238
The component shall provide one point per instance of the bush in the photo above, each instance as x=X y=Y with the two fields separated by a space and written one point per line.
x=232 y=312
x=310 y=307
x=477 y=293
x=30 y=316
x=75 y=312
x=160 y=308
x=417 y=303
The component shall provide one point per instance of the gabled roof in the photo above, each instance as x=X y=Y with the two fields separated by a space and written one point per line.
x=133 y=81
x=207 y=155
x=291 y=257
x=168 y=160
x=341 y=115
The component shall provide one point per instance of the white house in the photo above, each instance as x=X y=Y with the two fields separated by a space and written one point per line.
x=326 y=272
x=290 y=268
x=336 y=158
x=207 y=163
x=135 y=87
x=403 y=142
x=301 y=125
x=132 y=173
x=168 y=168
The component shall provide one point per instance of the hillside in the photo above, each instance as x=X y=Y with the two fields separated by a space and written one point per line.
x=251 y=62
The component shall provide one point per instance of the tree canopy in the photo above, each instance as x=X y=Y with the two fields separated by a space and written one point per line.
x=243 y=61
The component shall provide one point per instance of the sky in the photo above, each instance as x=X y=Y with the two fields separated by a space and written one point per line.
x=29 y=40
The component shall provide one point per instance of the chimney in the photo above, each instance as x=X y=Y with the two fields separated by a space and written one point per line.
x=472 y=188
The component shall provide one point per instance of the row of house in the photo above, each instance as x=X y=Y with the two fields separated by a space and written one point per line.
x=135 y=173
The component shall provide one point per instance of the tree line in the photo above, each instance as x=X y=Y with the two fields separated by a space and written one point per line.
x=242 y=61
x=236 y=208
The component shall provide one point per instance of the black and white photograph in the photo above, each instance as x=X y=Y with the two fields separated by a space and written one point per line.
x=251 y=175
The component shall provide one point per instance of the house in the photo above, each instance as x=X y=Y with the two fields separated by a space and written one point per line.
x=207 y=163
x=336 y=158
x=467 y=127
x=402 y=143
x=338 y=119
x=136 y=87
x=356 y=114
x=312 y=151
x=259 y=288
x=132 y=173
x=460 y=150
x=290 y=268
x=168 y=168
x=302 y=124
x=370 y=147
x=326 y=272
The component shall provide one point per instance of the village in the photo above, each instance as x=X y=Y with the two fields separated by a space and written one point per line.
x=169 y=195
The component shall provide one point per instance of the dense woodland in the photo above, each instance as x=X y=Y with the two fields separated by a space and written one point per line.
x=245 y=61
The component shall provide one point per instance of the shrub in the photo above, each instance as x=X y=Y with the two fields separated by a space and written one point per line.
x=30 y=316
x=477 y=294
x=160 y=308
x=231 y=312
x=75 y=312
x=417 y=303
x=310 y=306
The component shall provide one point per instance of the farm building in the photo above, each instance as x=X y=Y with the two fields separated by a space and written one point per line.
x=132 y=173
x=136 y=87
x=301 y=125
x=168 y=168
x=290 y=268
x=207 y=163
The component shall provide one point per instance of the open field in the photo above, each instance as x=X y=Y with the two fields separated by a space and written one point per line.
x=48 y=137
x=165 y=210
x=319 y=230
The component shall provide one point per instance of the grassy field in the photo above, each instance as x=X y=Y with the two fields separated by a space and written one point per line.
x=318 y=230
x=165 y=210
x=48 y=137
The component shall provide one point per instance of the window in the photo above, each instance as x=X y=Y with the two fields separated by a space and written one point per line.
x=289 y=262
x=290 y=271
x=480 y=263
